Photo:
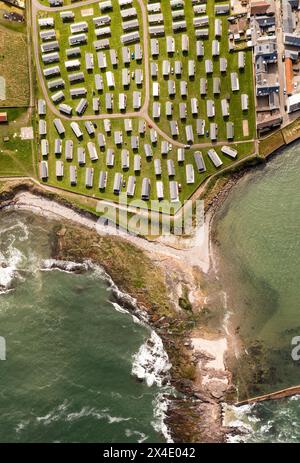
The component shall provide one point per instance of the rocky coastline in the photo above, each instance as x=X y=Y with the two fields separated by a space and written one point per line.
x=181 y=302
x=195 y=415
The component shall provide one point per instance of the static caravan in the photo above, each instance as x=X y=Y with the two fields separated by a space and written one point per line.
x=145 y=189
x=89 y=177
x=117 y=183
x=160 y=190
x=190 y=174
x=199 y=162
x=92 y=151
x=214 y=157
x=131 y=186
x=102 y=180
x=69 y=150
x=59 y=169
x=174 y=192
x=231 y=152
x=73 y=175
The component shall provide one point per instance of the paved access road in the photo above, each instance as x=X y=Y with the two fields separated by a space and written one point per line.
x=281 y=64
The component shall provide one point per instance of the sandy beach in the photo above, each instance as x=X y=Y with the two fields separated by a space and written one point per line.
x=195 y=251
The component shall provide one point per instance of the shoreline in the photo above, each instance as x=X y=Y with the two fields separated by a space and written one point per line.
x=151 y=373
x=247 y=392
x=197 y=351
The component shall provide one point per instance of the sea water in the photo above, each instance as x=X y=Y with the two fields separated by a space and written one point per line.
x=78 y=368
x=257 y=231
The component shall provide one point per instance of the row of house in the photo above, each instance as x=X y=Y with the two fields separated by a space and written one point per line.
x=119 y=182
x=192 y=109
x=167 y=72
x=265 y=51
x=156 y=26
x=73 y=64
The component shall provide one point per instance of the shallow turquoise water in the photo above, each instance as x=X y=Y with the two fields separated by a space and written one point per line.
x=68 y=372
x=259 y=263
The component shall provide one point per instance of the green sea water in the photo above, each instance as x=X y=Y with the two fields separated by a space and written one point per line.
x=71 y=351
x=257 y=232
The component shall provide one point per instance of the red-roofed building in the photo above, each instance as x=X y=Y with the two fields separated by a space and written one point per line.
x=260 y=7
x=289 y=75
x=3 y=117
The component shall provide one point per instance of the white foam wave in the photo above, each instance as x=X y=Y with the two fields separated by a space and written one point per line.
x=5 y=291
x=62 y=265
x=141 y=436
x=99 y=415
x=19 y=225
x=161 y=405
x=120 y=309
x=11 y=258
x=139 y=316
x=56 y=414
x=151 y=362
x=22 y=425
x=9 y=264
x=239 y=418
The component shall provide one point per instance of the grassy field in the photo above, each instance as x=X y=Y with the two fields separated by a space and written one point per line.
x=14 y=66
x=244 y=149
x=245 y=79
x=16 y=158
x=63 y=32
x=16 y=155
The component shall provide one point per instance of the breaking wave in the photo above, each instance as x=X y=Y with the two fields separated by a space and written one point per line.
x=61 y=412
x=151 y=362
x=161 y=405
x=126 y=303
x=63 y=265
x=99 y=415
x=141 y=437
x=275 y=421
x=11 y=258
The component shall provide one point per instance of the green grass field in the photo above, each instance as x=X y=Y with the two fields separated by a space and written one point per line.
x=63 y=32
x=14 y=66
x=244 y=149
x=16 y=157
x=246 y=85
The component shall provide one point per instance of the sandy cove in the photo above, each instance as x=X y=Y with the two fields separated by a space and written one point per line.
x=184 y=262
x=194 y=251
